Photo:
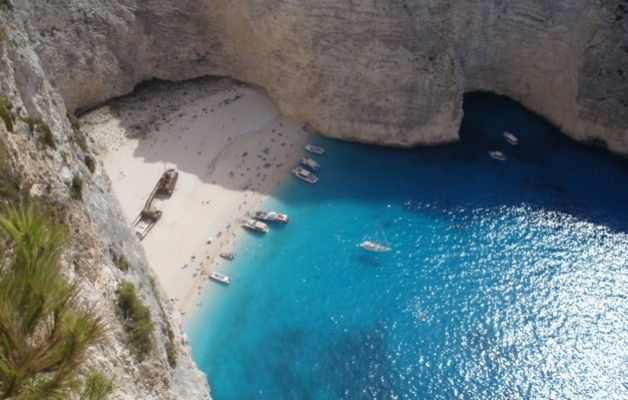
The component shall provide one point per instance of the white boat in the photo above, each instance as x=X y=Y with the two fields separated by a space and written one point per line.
x=218 y=277
x=315 y=149
x=374 y=247
x=311 y=164
x=498 y=155
x=510 y=138
x=227 y=256
x=254 y=225
x=271 y=216
x=304 y=174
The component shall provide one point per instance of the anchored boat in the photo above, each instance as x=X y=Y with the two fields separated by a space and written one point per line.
x=305 y=175
x=255 y=226
x=311 y=164
x=218 y=277
x=374 y=247
x=271 y=216
x=510 y=138
x=315 y=149
x=227 y=256
x=498 y=155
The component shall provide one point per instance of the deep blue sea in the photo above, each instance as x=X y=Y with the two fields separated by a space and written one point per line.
x=507 y=280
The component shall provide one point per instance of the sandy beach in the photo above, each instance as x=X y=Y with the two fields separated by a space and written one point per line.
x=230 y=146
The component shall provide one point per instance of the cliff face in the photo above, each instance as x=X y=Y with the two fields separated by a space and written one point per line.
x=389 y=72
x=99 y=233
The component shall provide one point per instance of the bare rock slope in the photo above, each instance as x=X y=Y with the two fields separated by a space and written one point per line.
x=388 y=72
x=62 y=170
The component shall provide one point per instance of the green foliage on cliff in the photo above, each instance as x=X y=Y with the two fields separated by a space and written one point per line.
x=5 y=113
x=171 y=352
x=76 y=188
x=97 y=387
x=7 y=4
x=137 y=320
x=89 y=163
x=171 y=348
x=77 y=136
x=79 y=139
x=122 y=263
x=44 y=330
x=9 y=183
x=45 y=135
x=31 y=122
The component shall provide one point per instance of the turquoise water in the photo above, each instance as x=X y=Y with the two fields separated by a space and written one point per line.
x=506 y=280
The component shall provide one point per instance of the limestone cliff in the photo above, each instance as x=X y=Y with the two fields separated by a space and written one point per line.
x=99 y=235
x=390 y=72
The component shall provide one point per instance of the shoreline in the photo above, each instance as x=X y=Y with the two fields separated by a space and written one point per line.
x=231 y=148
x=232 y=235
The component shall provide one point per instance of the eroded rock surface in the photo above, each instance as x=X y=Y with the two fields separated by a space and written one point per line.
x=99 y=233
x=389 y=72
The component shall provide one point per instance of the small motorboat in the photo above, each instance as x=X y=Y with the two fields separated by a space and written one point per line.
x=315 y=149
x=304 y=175
x=227 y=256
x=510 y=138
x=374 y=247
x=271 y=216
x=218 y=277
x=255 y=226
x=498 y=155
x=311 y=164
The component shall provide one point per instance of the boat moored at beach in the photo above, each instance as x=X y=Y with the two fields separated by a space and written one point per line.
x=304 y=174
x=227 y=256
x=374 y=247
x=220 y=278
x=311 y=164
x=271 y=216
x=511 y=138
x=255 y=226
x=497 y=155
x=315 y=149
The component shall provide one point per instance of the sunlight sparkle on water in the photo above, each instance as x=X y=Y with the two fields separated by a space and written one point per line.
x=506 y=279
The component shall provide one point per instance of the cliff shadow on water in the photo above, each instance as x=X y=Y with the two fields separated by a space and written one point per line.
x=545 y=171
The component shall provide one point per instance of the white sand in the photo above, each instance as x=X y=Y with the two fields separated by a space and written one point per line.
x=215 y=134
